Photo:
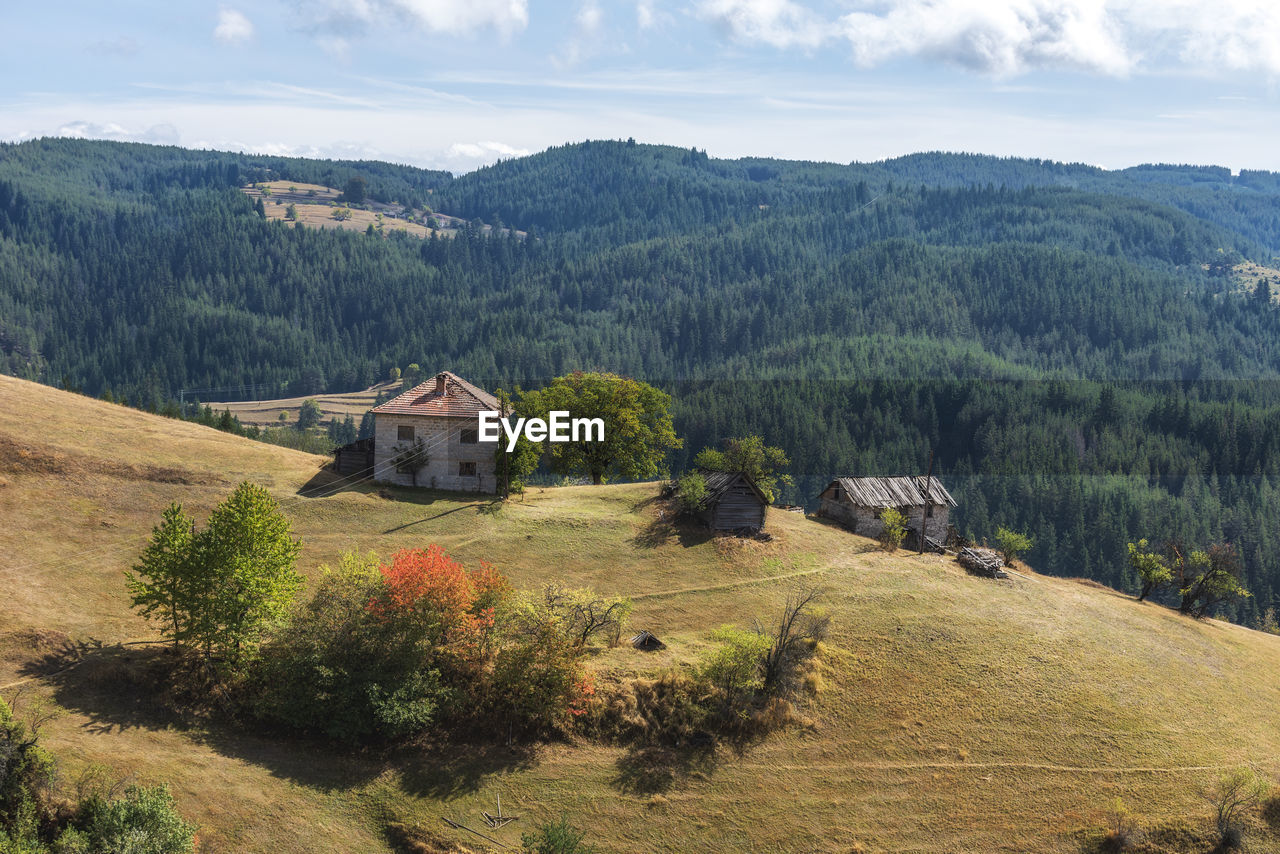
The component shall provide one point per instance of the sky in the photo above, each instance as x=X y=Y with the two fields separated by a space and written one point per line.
x=457 y=84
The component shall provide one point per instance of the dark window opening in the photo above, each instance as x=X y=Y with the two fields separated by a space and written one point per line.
x=469 y=437
x=404 y=433
x=467 y=469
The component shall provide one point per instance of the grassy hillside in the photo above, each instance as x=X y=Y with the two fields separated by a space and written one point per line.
x=316 y=203
x=958 y=714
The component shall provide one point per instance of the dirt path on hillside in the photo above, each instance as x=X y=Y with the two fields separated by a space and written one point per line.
x=984 y=766
x=730 y=584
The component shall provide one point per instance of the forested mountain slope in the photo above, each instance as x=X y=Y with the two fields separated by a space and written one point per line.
x=1070 y=340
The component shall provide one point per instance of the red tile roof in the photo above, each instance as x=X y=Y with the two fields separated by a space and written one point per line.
x=459 y=399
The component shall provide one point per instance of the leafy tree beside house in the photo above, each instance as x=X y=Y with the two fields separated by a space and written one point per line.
x=638 y=430
x=514 y=466
x=750 y=455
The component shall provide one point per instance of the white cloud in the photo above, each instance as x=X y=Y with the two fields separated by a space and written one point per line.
x=586 y=40
x=488 y=151
x=1001 y=38
x=452 y=17
x=336 y=46
x=646 y=15
x=780 y=23
x=1009 y=37
x=158 y=134
x=590 y=17
x=233 y=27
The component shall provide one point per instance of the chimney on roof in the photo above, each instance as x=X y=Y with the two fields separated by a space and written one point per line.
x=440 y=383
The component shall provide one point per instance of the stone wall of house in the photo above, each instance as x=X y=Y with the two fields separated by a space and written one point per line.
x=935 y=525
x=445 y=453
x=866 y=520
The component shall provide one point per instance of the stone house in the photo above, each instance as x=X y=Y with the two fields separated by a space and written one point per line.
x=429 y=436
x=856 y=503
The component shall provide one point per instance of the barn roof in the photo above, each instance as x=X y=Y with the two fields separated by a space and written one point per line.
x=894 y=491
x=446 y=395
x=720 y=482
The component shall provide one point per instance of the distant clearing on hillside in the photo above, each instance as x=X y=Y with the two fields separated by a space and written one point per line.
x=1248 y=275
x=266 y=413
x=315 y=205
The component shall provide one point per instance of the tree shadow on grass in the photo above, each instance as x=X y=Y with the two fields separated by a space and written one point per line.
x=119 y=688
x=647 y=501
x=115 y=686
x=447 y=770
x=667 y=529
x=482 y=508
x=654 y=769
x=326 y=481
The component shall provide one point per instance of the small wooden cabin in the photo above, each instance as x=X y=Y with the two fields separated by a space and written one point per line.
x=857 y=502
x=354 y=458
x=733 y=502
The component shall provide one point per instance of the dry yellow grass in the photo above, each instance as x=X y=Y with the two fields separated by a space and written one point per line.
x=956 y=714
x=316 y=203
x=1248 y=274
x=266 y=413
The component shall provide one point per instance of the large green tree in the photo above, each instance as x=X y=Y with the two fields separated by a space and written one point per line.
x=164 y=582
x=638 y=431
x=218 y=589
x=754 y=458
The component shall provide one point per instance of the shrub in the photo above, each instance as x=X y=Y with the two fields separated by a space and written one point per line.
x=691 y=492
x=580 y=614
x=668 y=710
x=143 y=821
x=538 y=683
x=383 y=651
x=1012 y=544
x=556 y=837
x=26 y=779
x=1122 y=830
x=736 y=667
x=895 y=529
x=1236 y=792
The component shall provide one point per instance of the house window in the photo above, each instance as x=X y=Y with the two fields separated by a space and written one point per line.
x=404 y=433
x=467 y=469
x=469 y=437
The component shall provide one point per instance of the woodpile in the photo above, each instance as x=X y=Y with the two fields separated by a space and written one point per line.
x=980 y=561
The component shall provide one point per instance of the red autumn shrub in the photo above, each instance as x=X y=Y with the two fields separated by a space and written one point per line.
x=454 y=605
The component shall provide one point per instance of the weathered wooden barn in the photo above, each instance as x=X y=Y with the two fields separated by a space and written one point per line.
x=857 y=502
x=429 y=436
x=733 y=502
x=354 y=458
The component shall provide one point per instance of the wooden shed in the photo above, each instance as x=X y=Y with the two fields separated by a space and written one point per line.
x=857 y=502
x=733 y=502
x=354 y=458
